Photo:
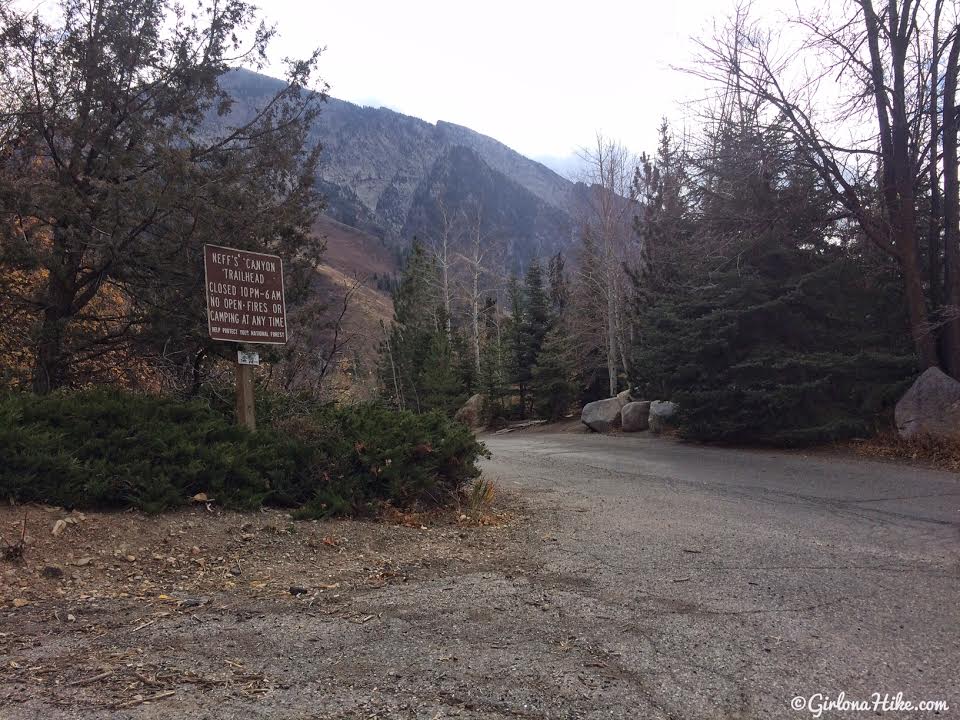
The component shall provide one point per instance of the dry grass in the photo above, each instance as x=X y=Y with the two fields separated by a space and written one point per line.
x=479 y=497
x=936 y=452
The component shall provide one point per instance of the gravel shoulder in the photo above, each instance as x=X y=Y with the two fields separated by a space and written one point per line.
x=617 y=577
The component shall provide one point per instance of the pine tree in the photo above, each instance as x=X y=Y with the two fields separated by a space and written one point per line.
x=441 y=384
x=517 y=343
x=492 y=378
x=122 y=157
x=559 y=286
x=780 y=328
x=406 y=349
x=536 y=319
x=553 y=377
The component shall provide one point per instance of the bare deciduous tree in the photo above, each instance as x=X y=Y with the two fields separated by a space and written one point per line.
x=443 y=246
x=607 y=220
x=872 y=77
x=478 y=253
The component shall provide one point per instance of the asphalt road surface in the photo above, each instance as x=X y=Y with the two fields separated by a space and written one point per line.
x=721 y=583
x=639 y=578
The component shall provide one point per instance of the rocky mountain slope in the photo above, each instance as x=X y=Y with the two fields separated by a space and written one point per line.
x=388 y=174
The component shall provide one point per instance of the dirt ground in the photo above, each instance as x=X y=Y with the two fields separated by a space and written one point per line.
x=107 y=615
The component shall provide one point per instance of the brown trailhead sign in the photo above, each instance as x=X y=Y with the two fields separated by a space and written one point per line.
x=244 y=296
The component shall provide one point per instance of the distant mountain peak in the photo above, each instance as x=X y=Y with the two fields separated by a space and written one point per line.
x=381 y=169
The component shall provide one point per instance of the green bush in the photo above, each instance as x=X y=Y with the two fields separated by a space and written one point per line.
x=110 y=449
x=753 y=357
x=369 y=455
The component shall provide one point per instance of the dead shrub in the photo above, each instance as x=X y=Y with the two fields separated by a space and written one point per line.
x=937 y=452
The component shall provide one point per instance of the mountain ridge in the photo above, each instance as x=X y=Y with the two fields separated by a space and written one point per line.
x=380 y=169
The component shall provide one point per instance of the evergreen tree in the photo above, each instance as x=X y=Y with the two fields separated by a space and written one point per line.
x=536 y=318
x=559 y=287
x=121 y=156
x=553 y=377
x=406 y=349
x=517 y=342
x=441 y=385
x=779 y=328
x=422 y=367
x=492 y=379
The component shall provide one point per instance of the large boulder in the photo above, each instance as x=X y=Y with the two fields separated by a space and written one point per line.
x=662 y=414
x=931 y=406
x=602 y=415
x=471 y=413
x=635 y=416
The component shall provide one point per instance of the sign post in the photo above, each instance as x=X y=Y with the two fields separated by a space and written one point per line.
x=245 y=304
x=246 y=415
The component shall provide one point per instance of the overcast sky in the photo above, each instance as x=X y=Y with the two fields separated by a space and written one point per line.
x=541 y=76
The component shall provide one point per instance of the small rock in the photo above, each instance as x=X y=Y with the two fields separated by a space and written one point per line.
x=83 y=561
x=193 y=602
x=297 y=590
x=54 y=572
x=20 y=602
x=71 y=618
x=58 y=527
x=131 y=558
x=195 y=550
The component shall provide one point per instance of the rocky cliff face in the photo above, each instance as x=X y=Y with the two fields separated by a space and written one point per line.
x=523 y=224
x=383 y=172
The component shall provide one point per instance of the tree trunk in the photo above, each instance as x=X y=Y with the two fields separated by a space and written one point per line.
x=611 y=339
x=196 y=373
x=476 y=320
x=49 y=370
x=917 y=309
x=446 y=293
x=951 y=212
x=934 y=276
x=899 y=200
